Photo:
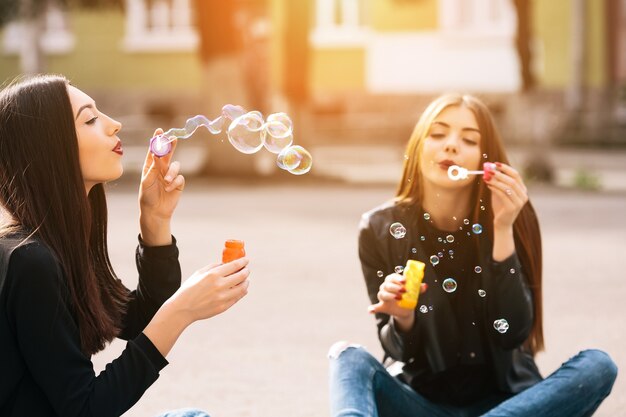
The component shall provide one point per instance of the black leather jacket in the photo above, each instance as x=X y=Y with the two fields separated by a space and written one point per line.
x=432 y=345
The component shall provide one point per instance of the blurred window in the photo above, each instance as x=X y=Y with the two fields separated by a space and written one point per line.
x=339 y=23
x=159 y=25
x=57 y=38
x=477 y=17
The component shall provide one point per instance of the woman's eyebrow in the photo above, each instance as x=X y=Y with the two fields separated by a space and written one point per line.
x=444 y=124
x=86 y=106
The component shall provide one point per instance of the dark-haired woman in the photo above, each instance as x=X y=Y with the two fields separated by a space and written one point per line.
x=60 y=301
x=467 y=348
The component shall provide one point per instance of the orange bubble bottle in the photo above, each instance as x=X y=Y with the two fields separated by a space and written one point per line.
x=233 y=249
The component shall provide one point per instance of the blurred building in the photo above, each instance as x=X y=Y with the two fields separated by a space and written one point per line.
x=352 y=70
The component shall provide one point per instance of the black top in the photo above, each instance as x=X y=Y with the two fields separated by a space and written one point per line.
x=44 y=372
x=471 y=379
x=438 y=348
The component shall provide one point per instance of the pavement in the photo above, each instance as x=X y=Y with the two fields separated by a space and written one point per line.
x=266 y=356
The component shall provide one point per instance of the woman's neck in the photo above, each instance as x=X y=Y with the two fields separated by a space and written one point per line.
x=447 y=208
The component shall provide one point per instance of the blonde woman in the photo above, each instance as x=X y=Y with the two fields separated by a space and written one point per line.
x=468 y=347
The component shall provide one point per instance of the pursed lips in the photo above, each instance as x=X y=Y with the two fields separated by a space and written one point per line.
x=118 y=148
x=445 y=164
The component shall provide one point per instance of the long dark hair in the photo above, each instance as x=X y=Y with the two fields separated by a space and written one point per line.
x=43 y=193
x=526 y=227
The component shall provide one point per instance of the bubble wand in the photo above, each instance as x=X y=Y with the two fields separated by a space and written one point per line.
x=456 y=173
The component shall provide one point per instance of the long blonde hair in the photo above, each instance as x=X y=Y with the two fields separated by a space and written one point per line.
x=526 y=227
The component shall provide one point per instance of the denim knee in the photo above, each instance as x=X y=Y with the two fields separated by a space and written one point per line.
x=352 y=356
x=602 y=370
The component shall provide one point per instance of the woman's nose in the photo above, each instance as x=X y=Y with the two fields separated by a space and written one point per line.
x=451 y=144
x=115 y=126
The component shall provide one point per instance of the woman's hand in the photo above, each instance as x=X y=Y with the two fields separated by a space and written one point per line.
x=207 y=293
x=508 y=195
x=213 y=289
x=389 y=293
x=159 y=193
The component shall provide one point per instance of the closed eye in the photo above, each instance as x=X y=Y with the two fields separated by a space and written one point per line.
x=469 y=141
x=437 y=135
x=92 y=120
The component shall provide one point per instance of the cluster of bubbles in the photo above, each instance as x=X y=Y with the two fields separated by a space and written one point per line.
x=501 y=325
x=449 y=285
x=248 y=133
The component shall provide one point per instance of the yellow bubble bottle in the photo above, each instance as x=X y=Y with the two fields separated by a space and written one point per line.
x=414 y=274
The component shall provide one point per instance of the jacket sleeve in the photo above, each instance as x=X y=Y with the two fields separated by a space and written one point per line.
x=159 y=278
x=49 y=342
x=512 y=301
x=393 y=342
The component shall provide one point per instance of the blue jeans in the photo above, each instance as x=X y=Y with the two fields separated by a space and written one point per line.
x=185 y=412
x=361 y=387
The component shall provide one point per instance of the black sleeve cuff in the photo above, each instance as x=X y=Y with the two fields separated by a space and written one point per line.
x=160 y=252
x=151 y=351
x=512 y=263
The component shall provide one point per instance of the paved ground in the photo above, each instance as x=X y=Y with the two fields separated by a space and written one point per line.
x=267 y=355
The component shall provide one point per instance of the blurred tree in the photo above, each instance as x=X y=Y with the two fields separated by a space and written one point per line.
x=523 y=39
x=296 y=63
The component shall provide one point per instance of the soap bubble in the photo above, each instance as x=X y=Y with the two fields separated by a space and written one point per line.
x=277 y=133
x=414 y=250
x=422 y=238
x=434 y=260
x=295 y=159
x=478 y=269
x=380 y=274
x=449 y=285
x=501 y=325
x=244 y=133
x=440 y=254
x=512 y=270
x=482 y=293
x=231 y=111
x=450 y=238
x=465 y=221
x=426 y=216
x=451 y=252
x=423 y=309
x=397 y=230
x=477 y=228
x=399 y=269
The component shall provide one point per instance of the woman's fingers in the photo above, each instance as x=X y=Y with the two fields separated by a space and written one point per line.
x=237 y=278
x=510 y=186
x=510 y=176
x=392 y=287
x=231 y=267
x=511 y=172
x=172 y=171
x=177 y=184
